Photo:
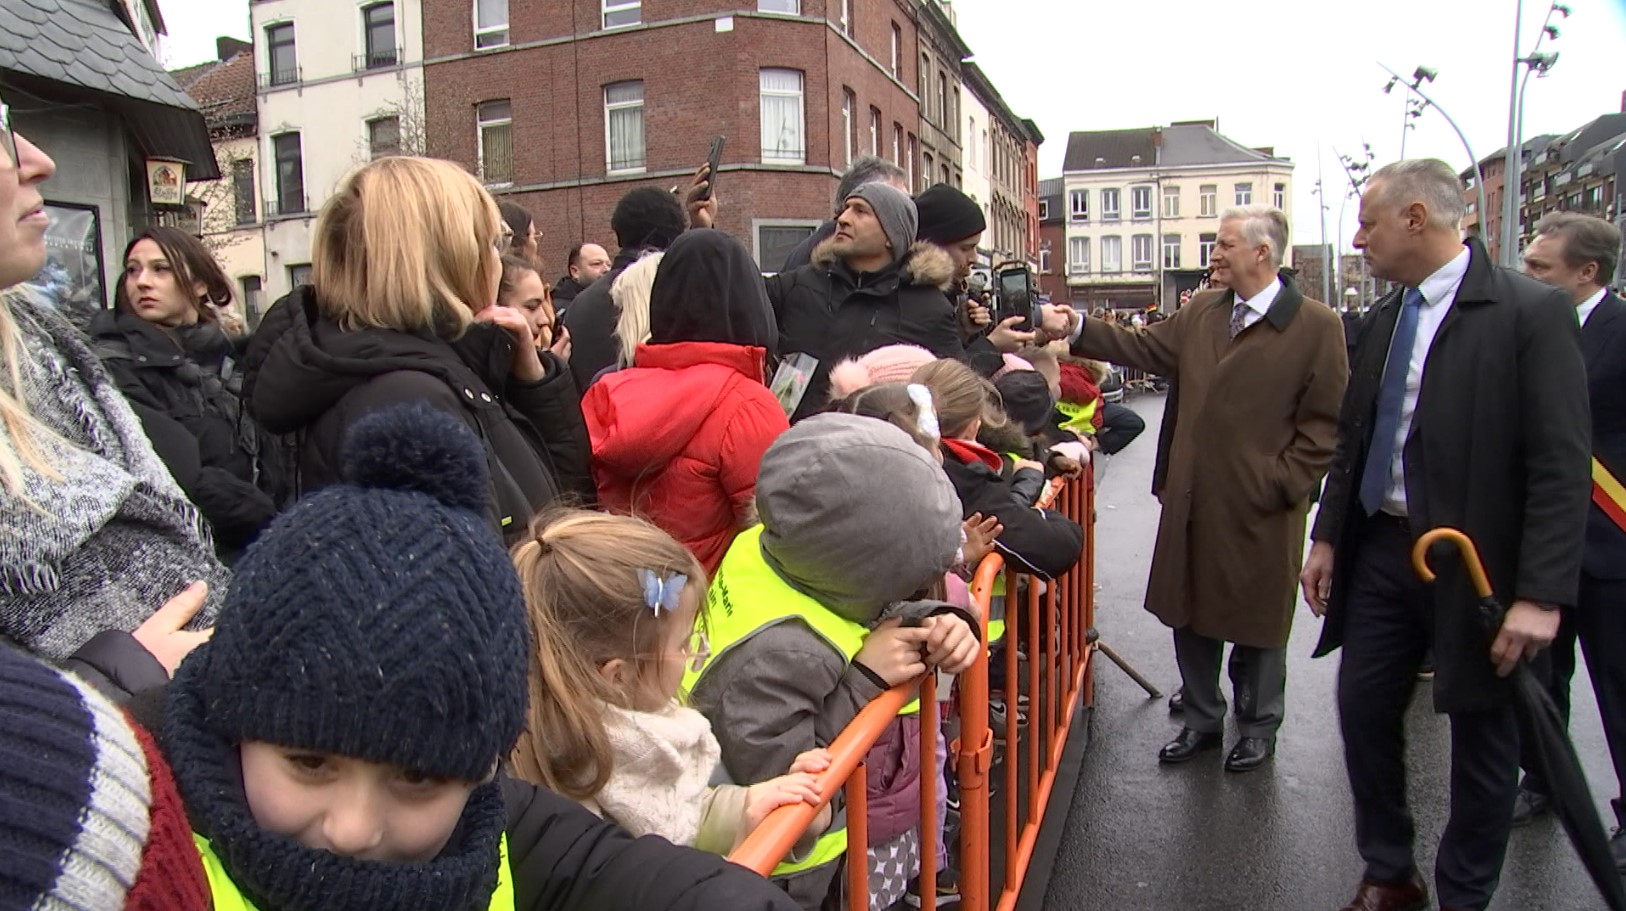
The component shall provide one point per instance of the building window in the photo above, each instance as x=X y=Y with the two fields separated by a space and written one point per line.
x=1244 y=194
x=495 y=137
x=1171 y=202
x=849 y=129
x=925 y=86
x=242 y=190
x=290 y=174
x=897 y=143
x=279 y=42
x=1141 y=249
x=299 y=274
x=378 y=23
x=971 y=150
x=909 y=161
x=793 y=7
x=1110 y=210
x=1112 y=254
x=1278 y=197
x=1078 y=206
x=897 y=52
x=1078 y=254
x=945 y=173
x=1171 y=251
x=775 y=240
x=874 y=132
x=926 y=173
x=942 y=100
x=253 y=299
x=490 y=23
x=618 y=13
x=847 y=17
x=1208 y=201
x=1205 y=248
x=624 y=127
x=384 y=136
x=1044 y=210
x=1044 y=261
x=952 y=120
x=1140 y=202
x=782 y=134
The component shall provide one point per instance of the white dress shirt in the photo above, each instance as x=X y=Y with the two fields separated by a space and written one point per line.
x=1259 y=304
x=1583 y=310
x=1439 y=290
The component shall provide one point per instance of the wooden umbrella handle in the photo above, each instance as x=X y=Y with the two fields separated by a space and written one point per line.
x=1465 y=546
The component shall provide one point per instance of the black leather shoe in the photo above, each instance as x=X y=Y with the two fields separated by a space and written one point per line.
x=1177 y=702
x=1528 y=805
x=1249 y=753
x=1187 y=745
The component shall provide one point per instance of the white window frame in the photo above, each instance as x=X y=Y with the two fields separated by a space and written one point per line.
x=1136 y=195
x=1044 y=260
x=490 y=35
x=610 y=8
x=1114 y=211
x=1171 y=251
x=481 y=124
x=1076 y=212
x=1208 y=200
x=1244 y=193
x=1078 y=255
x=909 y=166
x=798 y=155
x=1115 y=244
x=1171 y=202
x=1137 y=243
x=1044 y=209
x=609 y=107
x=875 y=132
x=792 y=7
x=1278 y=196
x=1205 y=248
x=847 y=17
x=897 y=52
x=848 y=126
x=897 y=143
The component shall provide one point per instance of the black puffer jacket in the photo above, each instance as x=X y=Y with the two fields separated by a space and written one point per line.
x=829 y=312
x=592 y=320
x=305 y=375
x=186 y=386
x=1039 y=541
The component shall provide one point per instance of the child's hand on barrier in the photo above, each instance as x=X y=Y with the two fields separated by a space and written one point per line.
x=762 y=799
x=1020 y=464
x=893 y=652
x=980 y=535
x=813 y=761
x=1067 y=466
x=950 y=643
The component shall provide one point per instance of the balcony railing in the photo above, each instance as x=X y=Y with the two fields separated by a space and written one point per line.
x=376 y=60
x=275 y=78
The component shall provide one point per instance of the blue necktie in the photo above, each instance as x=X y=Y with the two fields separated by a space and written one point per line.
x=1391 y=395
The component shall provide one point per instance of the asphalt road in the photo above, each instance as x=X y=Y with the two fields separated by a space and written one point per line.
x=1143 y=836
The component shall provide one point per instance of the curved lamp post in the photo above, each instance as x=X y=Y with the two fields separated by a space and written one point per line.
x=1415 y=86
x=1512 y=186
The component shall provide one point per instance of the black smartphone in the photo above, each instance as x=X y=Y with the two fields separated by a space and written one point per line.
x=1016 y=298
x=713 y=159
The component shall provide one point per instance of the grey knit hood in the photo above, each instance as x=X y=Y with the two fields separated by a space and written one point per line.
x=855 y=514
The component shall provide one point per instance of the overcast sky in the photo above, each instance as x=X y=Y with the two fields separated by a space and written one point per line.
x=1294 y=74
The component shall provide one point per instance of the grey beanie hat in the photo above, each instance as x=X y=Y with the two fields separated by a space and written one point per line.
x=896 y=213
x=855 y=514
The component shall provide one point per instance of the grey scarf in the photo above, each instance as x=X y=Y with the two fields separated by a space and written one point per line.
x=113 y=538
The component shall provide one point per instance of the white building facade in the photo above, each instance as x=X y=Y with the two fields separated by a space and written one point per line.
x=339 y=82
x=1143 y=208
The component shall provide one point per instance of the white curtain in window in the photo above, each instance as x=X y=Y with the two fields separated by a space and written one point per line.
x=624 y=119
x=1112 y=254
x=490 y=13
x=782 y=116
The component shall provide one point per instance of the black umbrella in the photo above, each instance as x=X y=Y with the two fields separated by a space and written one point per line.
x=1547 y=740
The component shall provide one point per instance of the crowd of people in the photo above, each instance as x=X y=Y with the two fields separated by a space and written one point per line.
x=448 y=588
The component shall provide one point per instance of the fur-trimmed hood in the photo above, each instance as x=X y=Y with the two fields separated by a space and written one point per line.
x=925 y=263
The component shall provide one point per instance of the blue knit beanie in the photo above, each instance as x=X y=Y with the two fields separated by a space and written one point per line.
x=379 y=618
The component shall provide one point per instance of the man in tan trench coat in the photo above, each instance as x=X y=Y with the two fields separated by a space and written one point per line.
x=1261 y=371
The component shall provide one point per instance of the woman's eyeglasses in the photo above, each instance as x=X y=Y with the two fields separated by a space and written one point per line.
x=8 y=138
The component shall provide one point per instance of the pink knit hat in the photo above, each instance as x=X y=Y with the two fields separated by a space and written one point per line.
x=1012 y=365
x=891 y=364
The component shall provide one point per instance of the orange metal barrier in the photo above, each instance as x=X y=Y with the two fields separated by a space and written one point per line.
x=1055 y=628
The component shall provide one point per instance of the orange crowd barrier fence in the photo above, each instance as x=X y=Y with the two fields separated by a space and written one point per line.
x=1051 y=623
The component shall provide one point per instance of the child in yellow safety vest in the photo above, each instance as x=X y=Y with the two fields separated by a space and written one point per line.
x=338 y=743
x=616 y=619
x=812 y=614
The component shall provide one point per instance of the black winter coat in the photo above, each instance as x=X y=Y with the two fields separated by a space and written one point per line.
x=592 y=319
x=186 y=385
x=1498 y=448
x=831 y=313
x=1039 y=541
x=305 y=375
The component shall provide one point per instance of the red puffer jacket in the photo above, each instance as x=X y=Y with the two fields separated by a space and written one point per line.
x=679 y=436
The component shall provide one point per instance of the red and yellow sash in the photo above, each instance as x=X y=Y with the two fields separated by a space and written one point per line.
x=1609 y=494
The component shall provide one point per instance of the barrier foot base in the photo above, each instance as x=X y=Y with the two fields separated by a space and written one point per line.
x=1093 y=637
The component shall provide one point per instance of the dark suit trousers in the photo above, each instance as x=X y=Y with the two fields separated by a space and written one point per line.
x=1258 y=684
x=1389 y=625
x=1598 y=621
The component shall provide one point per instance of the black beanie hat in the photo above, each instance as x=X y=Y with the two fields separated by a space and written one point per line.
x=379 y=618
x=1026 y=394
x=947 y=215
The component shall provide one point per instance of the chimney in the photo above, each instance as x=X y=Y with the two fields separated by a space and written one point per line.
x=1267 y=151
x=1157 y=137
x=227 y=48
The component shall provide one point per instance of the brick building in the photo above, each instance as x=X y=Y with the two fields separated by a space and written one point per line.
x=564 y=105
x=940 y=55
x=1052 y=245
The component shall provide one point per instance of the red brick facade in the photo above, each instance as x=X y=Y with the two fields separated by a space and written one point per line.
x=698 y=82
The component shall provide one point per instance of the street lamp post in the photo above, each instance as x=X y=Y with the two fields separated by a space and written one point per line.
x=1512 y=170
x=1425 y=74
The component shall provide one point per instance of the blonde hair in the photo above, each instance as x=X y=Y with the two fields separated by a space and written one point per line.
x=19 y=448
x=961 y=395
x=631 y=292
x=892 y=403
x=579 y=572
x=407 y=244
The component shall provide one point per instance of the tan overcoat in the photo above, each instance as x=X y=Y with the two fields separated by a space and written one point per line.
x=1255 y=427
